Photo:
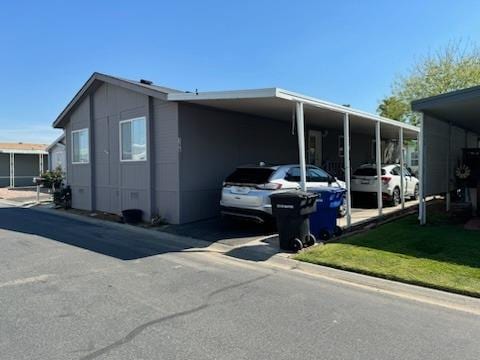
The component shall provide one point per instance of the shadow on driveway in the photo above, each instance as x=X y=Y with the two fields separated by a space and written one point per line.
x=102 y=239
x=224 y=231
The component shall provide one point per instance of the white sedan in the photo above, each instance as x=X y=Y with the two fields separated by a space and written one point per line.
x=364 y=180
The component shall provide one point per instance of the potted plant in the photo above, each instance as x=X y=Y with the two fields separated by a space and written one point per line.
x=53 y=178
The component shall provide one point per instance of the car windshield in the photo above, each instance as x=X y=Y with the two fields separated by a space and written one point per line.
x=250 y=176
x=367 y=171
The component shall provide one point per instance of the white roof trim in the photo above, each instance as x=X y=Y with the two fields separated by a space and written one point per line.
x=287 y=95
x=19 y=151
x=224 y=95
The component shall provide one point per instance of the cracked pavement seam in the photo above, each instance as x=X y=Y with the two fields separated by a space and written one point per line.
x=135 y=332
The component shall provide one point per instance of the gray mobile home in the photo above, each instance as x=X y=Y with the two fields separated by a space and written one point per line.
x=132 y=144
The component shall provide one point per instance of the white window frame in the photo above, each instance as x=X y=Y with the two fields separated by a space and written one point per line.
x=120 y=139
x=88 y=153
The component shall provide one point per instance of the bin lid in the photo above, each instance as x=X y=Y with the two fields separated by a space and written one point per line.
x=294 y=193
x=327 y=189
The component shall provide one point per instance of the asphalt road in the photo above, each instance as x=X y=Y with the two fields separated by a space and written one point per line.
x=71 y=290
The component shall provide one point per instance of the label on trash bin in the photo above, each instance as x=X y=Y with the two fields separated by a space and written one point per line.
x=282 y=206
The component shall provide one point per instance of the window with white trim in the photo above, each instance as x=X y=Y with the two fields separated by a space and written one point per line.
x=414 y=158
x=80 y=147
x=133 y=140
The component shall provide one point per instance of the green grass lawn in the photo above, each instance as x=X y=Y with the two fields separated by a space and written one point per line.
x=440 y=255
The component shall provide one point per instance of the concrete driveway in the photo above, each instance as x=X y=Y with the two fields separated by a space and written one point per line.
x=76 y=290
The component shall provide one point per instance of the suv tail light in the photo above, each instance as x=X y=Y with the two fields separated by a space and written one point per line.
x=269 y=186
x=386 y=179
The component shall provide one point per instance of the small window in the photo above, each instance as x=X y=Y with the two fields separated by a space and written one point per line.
x=367 y=171
x=250 y=176
x=133 y=140
x=414 y=159
x=80 y=147
x=317 y=175
x=341 y=143
x=293 y=174
x=395 y=171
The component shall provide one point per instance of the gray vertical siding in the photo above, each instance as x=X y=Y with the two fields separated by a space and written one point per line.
x=167 y=171
x=79 y=174
x=214 y=143
x=118 y=185
x=360 y=148
x=436 y=154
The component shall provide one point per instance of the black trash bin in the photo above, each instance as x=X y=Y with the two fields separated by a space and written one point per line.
x=291 y=210
x=132 y=216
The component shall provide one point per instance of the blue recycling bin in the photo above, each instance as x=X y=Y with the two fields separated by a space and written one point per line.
x=323 y=222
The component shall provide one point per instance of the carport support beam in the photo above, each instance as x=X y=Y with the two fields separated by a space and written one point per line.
x=449 y=176
x=301 y=144
x=402 y=167
x=378 y=145
x=346 y=159
x=12 y=170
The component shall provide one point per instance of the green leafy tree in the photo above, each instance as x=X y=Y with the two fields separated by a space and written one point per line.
x=393 y=108
x=452 y=68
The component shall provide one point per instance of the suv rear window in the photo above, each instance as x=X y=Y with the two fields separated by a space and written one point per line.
x=250 y=176
x=367 y=172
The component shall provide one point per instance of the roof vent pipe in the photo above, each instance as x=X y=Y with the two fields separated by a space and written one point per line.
x=146 y=82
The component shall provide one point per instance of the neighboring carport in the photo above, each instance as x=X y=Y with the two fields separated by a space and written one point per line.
x=450 y=123
x=307 y=113
x=20 y=163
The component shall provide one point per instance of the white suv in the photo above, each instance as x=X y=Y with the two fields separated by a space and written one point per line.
x=246 y=192
x=364 y=180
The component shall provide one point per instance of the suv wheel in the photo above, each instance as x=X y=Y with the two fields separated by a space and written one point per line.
x=396 y=199
x=415 y=193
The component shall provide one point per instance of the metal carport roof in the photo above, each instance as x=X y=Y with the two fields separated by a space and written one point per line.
x=279 y=104
x=449 y=122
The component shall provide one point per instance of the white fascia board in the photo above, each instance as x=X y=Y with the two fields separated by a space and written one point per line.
x=292 y=96
x=32 y=152
x=224 y=95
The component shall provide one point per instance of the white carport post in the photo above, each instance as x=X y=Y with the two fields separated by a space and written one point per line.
x=378 y=145
x=40 y=164
x=12 y=170
x=449 y=165
x=402 y=167
x=346 y=159
x=301 y=144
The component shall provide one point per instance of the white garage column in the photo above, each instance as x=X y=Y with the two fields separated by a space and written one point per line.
x=346 y=159
x=301 y=144
x=402 y=167
x=378 y=145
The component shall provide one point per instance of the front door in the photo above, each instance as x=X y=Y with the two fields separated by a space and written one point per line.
x=314 y=150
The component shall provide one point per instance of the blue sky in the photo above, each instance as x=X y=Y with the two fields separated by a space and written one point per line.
x=341 y=51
